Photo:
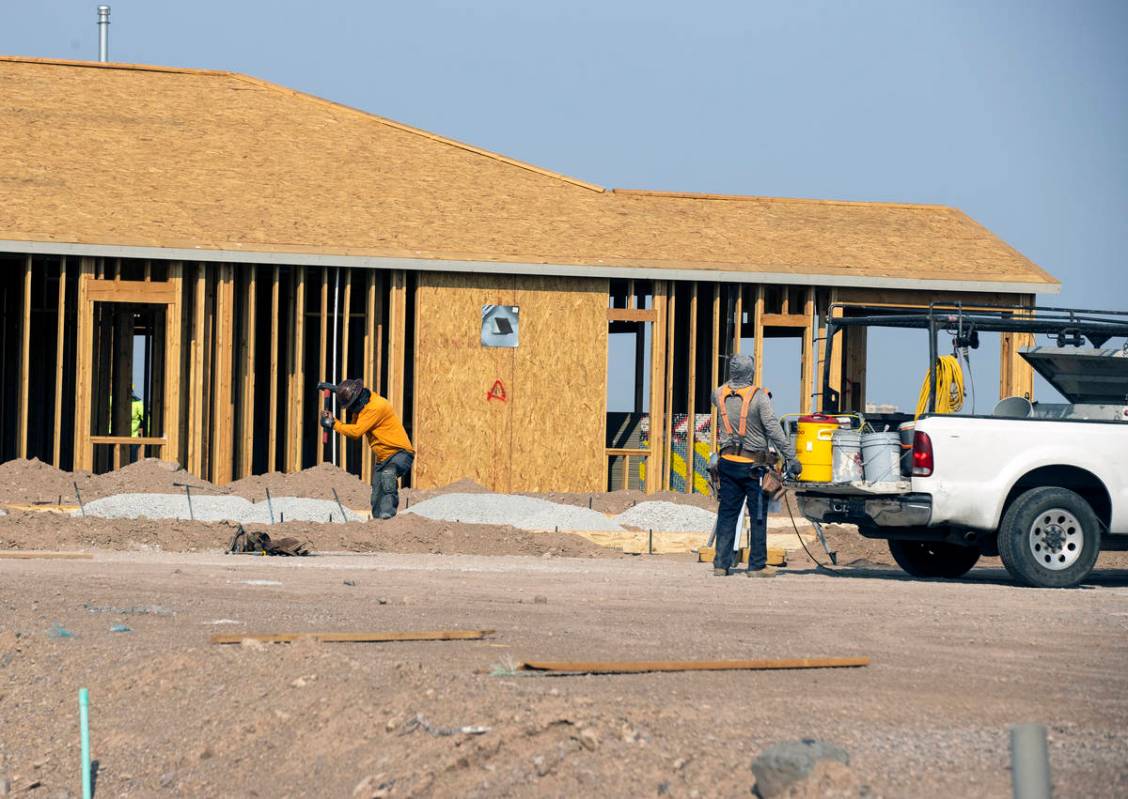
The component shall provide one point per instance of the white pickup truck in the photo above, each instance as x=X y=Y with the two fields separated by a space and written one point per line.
x=1045 y=487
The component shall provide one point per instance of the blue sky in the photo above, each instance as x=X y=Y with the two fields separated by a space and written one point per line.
x=1015 y=112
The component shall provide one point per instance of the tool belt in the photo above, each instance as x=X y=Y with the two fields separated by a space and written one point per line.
x=757 y=456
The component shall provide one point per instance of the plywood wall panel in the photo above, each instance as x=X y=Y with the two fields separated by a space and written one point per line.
x=559 y=392
x=547 y=432
x=458 y=432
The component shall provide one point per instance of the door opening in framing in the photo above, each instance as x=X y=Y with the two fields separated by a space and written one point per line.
x=127 y=415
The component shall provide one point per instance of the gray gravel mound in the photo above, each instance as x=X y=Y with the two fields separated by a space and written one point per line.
x=668 y=517
x=167 y=506
x=524 y=513
x=215 y=509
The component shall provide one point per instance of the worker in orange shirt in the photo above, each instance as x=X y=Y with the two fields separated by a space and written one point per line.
x=372 y=416
x=747 y=432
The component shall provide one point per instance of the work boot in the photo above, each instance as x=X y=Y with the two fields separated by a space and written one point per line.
x=720 y=572
x=767 y=571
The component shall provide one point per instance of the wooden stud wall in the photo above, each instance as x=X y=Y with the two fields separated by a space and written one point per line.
x=548 y=433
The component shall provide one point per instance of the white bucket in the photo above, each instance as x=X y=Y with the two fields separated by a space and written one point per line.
x=847 y=456
x=881 y=453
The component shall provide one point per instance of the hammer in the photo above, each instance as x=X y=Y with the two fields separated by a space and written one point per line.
x=326 y=390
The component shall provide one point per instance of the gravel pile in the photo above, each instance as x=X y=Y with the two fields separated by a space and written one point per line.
x=166 y=506
x=668 y=517
x=214 y=509
x=524 y=513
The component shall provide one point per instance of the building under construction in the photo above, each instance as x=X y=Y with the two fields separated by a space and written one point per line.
x=216 y=245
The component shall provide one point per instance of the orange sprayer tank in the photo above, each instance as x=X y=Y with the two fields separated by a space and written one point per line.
x=814 y=449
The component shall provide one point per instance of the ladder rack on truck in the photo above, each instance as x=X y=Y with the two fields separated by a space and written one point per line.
x=1044 y=486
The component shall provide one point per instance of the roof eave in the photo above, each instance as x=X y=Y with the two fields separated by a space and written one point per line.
x=645 y=272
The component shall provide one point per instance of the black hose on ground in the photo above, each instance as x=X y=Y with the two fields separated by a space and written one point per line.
x=802 y=543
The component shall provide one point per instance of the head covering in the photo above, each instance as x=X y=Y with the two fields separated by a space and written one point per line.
x=741 y=371
x=348 y=392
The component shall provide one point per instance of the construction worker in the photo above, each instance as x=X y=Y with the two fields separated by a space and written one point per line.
x=136 y=423
x=371 y=415
x=747 y=426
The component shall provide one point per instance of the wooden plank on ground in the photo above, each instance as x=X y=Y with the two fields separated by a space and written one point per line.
x=777 y=556
x=50 y=507
x=376 y=637
x=643 y=666
x=30 y=554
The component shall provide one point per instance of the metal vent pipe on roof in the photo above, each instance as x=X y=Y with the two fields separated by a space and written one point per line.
x=103 y=33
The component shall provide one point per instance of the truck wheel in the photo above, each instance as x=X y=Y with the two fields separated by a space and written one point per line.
x=1049 y=538
x=933 y=558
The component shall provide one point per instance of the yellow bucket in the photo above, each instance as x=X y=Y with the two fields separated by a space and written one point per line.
x=814 y=449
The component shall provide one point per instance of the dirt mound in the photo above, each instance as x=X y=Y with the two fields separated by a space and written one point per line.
x=316 y=482
x=407 y=533
x=146 y=476
x=29 y=481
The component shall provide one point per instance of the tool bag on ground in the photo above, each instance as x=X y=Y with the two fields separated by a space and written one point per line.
x=258 y=542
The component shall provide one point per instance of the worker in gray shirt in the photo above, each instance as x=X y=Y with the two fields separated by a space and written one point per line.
x=747 y=427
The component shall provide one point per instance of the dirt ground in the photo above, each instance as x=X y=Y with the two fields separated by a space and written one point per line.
x=953 y=665
x=406 y=533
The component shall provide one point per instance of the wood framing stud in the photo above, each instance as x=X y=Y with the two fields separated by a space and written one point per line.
x=60 y=341
x=25 y=357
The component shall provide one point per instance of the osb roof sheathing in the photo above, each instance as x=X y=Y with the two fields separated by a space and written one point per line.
x=155 y=157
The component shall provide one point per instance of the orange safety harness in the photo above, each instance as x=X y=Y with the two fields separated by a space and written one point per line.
x=746 y=395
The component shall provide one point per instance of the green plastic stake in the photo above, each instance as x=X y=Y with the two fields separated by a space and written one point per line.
x=84 y=732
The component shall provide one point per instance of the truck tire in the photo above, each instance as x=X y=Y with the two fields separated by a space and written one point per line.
x=933 y=558
x=1049 y=538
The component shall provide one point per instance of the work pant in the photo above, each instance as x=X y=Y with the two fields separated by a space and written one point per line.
x=740 y=482
x=385 y=484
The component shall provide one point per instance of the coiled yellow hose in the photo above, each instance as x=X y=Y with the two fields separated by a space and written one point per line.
x=949 y=387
